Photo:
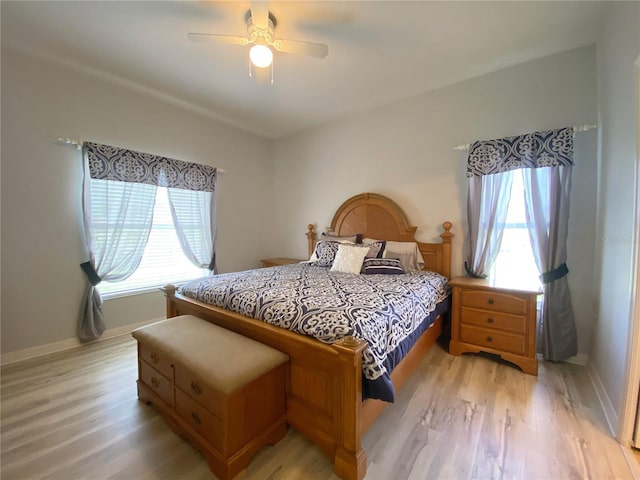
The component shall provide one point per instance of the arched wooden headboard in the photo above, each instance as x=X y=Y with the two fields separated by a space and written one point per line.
x=377 y=216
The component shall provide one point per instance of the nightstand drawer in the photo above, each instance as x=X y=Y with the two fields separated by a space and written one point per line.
x=497 y=320
x=486 y=337
x=488 y=300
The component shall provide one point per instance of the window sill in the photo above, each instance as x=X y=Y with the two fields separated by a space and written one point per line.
x=138 y=291
x=515 y=281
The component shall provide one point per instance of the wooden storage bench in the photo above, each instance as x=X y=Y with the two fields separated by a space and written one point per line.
x=224 y=392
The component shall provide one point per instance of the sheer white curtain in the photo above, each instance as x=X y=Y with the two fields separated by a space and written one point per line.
x=487 y=205
x=117 y=222
x=118 y=203
x=546 y=192
x=194 y=217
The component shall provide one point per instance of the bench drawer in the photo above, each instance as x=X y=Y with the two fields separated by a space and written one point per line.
x=157 y=382
x=201 y=420
x=158 y=359
x=194 y=386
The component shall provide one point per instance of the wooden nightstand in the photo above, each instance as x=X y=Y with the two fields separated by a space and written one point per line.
x=496 y=319
x=274 y=262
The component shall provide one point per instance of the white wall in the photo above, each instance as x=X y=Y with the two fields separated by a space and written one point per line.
x=404 y=151
x=42 y=235
x=618 y=48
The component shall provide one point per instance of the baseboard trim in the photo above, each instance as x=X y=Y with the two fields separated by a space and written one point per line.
x=630 y=458
x=579 y=359
x=39 y=350
x=605 y=402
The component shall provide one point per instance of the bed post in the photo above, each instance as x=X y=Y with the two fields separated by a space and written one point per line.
x=446 y=249
x=170 y=293
x=350 y=462
x=311 y=238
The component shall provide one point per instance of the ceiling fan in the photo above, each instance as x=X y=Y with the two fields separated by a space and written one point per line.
x=261 y=25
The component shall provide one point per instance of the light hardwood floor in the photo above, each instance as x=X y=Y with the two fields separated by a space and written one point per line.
x=75 y=415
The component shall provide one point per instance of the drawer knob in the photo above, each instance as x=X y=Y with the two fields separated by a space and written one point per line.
x=490 y=301
x=155 y=382
x=196 y=418
x=154 y=357
x=490 y=320
x=489 y=339
x=195 y=387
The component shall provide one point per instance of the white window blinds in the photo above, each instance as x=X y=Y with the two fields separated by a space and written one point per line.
x=163 y=260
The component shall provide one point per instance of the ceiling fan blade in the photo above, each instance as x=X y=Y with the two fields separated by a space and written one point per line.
x=260 y=13
x=215 y=38
x=317 y=50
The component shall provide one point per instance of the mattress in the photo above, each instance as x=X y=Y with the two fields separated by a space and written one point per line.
x=389 y=312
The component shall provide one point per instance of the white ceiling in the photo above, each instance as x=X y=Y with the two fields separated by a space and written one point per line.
x=379 y=51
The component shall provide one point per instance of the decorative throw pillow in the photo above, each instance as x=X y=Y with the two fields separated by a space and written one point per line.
x=369 y=241
x=382 y=266
x=376 y=249
x=325 y=237
x=357 y=238
x=407 y=252
x=325 y=253
x=349 y=258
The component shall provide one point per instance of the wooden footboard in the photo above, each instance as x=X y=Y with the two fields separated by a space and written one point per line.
x=324 y=389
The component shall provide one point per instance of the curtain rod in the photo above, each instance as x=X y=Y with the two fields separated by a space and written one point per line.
x=78 y=144
x=576 y=129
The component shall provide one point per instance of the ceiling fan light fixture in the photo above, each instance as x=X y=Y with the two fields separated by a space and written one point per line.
x=261 y=56
x=261 y=24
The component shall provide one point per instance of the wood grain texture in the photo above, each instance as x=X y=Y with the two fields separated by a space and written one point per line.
x=75 y=415
x=376 y=216
x=330 y=416
x=274 y=262
x=496 y=319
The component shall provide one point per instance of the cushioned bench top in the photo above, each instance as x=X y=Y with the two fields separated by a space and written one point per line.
x=223 y=359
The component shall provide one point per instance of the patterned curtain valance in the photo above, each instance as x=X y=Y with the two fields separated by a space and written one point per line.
x=119 y=164
x=550 y=148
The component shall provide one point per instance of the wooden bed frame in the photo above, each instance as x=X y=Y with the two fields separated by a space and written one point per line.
x=324 y=385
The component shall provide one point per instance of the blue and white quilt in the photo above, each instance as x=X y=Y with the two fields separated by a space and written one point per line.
x=381 y=309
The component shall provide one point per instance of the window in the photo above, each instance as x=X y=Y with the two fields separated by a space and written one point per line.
x=163 y=260
x=515 y=264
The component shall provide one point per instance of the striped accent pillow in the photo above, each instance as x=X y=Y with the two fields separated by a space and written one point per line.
x=382 y=266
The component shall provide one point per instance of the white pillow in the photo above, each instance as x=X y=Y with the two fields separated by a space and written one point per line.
x=407 y=252
x=349 y=259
